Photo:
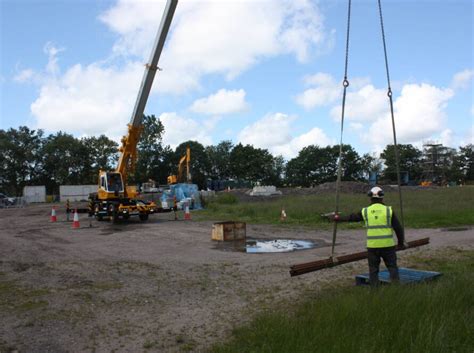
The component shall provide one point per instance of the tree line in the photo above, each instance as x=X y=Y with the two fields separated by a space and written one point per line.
x=29 y=157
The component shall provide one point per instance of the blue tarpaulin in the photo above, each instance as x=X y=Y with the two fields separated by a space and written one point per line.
x=184 y=193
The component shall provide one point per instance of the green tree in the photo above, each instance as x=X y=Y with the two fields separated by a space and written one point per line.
x=150 y=151
x=278 y=171
x=352 y=163
x=410 y=161
x=252 y=164
x=370 y=163
x=19 y=158
x=103 y=155
x=315 y=165
x=466 y=161
x=219 y=159
x=65 y=160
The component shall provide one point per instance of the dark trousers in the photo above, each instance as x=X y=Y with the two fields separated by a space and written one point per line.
x=389 y=257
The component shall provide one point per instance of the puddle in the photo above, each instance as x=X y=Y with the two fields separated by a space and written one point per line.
x=261 y=246
x=277 y=245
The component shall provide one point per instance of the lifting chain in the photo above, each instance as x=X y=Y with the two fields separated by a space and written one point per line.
x=345 y=84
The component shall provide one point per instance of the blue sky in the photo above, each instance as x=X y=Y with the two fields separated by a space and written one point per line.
x=266 y=73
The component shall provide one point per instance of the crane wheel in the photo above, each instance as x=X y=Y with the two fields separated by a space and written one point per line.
x=97 y=215
x=113 y=213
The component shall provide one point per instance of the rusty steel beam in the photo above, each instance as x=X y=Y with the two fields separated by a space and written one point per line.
x=301 y=269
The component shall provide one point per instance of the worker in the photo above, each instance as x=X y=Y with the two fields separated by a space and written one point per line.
x=380 y=222
x=175 y=208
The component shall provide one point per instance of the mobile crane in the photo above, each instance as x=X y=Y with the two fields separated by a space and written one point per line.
x=173 y=179
x=114 y=198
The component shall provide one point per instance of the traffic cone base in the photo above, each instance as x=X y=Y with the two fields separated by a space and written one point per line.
x=75 y=223
x=53 y=214
x=187 y=214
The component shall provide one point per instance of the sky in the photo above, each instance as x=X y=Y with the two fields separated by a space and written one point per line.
x=264 y=72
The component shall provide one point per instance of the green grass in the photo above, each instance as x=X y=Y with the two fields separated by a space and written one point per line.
x=434 y=317
x=430 y=208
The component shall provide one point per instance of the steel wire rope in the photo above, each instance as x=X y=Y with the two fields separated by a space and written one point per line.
x=345 y=84
x=389 y=94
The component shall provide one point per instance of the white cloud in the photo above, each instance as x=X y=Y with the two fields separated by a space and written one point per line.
x=419 y=114
x=315 y=136
x=462 y=79
x=89 y=100
x=365 y=104
x=356 y=126
x=207 y=37
x=51 y=69
x=52 y=51
x=223 y=37
x=273 y=132
x=222 y=102
x=179 y=129
x=446 y=137
x=419 y=110
x=327 y=90
x=23 y=76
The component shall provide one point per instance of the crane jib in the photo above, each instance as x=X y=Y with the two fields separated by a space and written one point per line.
x=152 y=65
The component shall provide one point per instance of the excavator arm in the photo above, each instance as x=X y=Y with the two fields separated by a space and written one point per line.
x=184 y=162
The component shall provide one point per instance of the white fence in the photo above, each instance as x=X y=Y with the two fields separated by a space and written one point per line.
x=15 y=203
x=75 y=192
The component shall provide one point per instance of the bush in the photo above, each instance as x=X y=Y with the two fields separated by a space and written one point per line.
x=226 y=199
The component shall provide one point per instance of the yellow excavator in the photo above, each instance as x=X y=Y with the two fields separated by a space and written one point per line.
x=183 y=163
x=114 y=198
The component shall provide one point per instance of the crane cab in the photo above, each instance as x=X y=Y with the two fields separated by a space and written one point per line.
x=110 y=185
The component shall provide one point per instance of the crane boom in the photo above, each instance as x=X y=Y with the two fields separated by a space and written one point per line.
x=152 y=65
x=128 y=149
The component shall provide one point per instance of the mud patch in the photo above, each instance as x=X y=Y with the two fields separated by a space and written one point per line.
x=456 y=229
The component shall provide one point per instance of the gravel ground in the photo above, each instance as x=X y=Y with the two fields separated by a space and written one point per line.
x=158 y=286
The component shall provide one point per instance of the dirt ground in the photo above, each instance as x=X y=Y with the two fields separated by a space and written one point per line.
x=158 y=286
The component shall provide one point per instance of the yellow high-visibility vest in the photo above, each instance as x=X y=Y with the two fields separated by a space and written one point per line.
x=378 y=221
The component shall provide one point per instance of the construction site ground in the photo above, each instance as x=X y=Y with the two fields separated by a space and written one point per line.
x=157 y=286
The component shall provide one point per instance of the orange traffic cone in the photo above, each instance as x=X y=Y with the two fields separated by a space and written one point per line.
x=187 y=214
x=282 y=215
x=53 y=214
x=75 y=223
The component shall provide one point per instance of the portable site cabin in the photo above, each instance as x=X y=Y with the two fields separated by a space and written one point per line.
x=34 y=193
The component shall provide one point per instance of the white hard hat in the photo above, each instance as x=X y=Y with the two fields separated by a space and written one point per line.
x=376 y=192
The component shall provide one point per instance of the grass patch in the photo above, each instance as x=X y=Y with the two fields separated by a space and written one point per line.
x=431 y=317
x=32 y=304
x=432 y=208
x=19 y=298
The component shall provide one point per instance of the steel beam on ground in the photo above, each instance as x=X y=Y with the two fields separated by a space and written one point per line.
x=307 y=267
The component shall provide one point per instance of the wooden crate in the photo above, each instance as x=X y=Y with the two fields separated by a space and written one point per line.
x=228 y=231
